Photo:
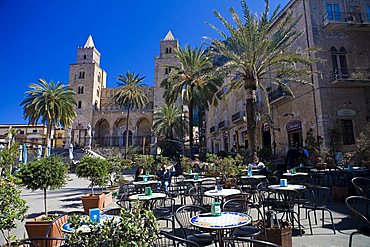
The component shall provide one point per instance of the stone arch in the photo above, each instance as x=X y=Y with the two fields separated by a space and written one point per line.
x=144 y=127
x=119 y=128
x=102 y=135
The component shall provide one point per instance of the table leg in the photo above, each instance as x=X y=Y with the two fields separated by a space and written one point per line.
x=220 y=236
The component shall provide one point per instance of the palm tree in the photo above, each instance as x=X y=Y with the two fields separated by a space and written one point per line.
x=194 y=79
x=168 y=120
x=52 y=103
x=130 y=95
x=252 y=52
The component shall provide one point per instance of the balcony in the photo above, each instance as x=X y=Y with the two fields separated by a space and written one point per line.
x=279 y=96
x=351 y=77
x=347 y=21
x=212 y=129
x=237 y=117
x=222 y=125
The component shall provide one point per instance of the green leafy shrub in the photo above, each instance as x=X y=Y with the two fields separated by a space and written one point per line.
x=44 y=174
x=138 y=227
x=12 y=207
x=93 y=169
x=145 y=160
x=116 y=166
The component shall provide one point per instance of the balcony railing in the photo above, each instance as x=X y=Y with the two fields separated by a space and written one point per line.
x=222 y=124
x=346 y=17
x=238 y=116
x=351 y=74
x=212 y=129
x=277 y=94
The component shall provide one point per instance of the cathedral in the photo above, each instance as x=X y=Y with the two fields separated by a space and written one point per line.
x=97 y=112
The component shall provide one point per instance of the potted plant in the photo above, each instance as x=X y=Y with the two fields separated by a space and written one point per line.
x=147 y=161
x=12 y=207
x=43 y=174
x=96 y=170
x=138 y=227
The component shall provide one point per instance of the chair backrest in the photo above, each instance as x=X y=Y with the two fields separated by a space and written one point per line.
x=244 y=242
x=185 y=213
x=124 y=203
x=112 y=211
x=362 y=186
x=360 y=213
x=55 y=227
x=319 y=195
x=236 y=205
x=167 y=239
x=242 y=196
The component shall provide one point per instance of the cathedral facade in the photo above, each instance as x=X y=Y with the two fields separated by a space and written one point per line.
x=96 y=107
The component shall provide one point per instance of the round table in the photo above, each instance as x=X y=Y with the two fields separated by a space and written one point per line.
x=145 y=183
x=222 y=193
x=288 y=174
x=227 y=220
x=86 y=228
x=192 y=180
x=143 y=197
x=149 y=176
x=254 y=176
x=289 y=187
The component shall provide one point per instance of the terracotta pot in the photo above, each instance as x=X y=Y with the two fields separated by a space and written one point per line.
x=36 y=228
x=108 y=198
x=93 y=201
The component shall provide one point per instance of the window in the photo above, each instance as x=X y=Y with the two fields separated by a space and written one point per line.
x=84 y=56
x=81 y=75
x=99 y=77
x=98 y=92
x=34 y=131
x=80 y=90
x=368 y=13
x=166 y=71
x=347 y=132
x=168 y=50
x=333 y=11
x=79 y=104
x=96 y=105
x=339 y=61
x=21 y=132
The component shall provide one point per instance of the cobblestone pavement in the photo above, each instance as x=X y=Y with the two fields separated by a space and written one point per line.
x=68 y=199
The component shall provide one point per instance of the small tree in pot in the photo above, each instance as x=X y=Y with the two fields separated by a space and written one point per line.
x=95 y=170
x=45 y=174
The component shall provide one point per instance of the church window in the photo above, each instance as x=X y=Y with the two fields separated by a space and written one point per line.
x=84 y=56
x=96 y=105
x=98 y=92
x=166 y=71
x=80 y=90
x=79 y=104
x=168 y=50
x=99 y=77
x=81 y=75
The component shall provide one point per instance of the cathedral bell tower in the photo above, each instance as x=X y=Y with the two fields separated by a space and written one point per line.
x=87 y=79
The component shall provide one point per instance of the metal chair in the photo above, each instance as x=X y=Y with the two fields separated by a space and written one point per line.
x=124 y=203
x=360 y=214
x=166 y=239
x=362 y=186
x=317 y=200
x=242 y=206
x=187 y=230
x=246 y=242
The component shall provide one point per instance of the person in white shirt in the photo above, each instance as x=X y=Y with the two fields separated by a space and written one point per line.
x=256 y=164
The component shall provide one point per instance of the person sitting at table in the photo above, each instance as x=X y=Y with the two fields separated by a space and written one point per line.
x=256 y=164
x=164 y=177
x=197 y=166
x=139 y=172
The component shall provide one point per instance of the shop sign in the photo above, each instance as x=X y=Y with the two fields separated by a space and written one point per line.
x=346 y=113
x=294 y=125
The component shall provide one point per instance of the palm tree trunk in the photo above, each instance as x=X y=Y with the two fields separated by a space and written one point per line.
x=127 y=120
x=251 y=120
x=191 y=137
x=48 y=139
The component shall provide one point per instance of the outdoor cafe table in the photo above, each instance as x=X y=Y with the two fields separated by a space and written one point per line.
x=288 y=174
x=143 y=197
x=192 y=180
x=227 y=220
x=222 y=193
x=289 y=187
x=145 y=183
x=85 y=228
x=254 y=177
x=149 y=176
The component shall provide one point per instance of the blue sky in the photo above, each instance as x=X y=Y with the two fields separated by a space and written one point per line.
x=38 y=39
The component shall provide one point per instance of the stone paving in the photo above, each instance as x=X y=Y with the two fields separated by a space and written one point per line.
x=68 y=199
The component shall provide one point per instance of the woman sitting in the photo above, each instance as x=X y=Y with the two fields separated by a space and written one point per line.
x=164 y=177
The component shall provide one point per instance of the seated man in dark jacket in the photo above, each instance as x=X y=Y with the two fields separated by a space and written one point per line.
x=164 y=177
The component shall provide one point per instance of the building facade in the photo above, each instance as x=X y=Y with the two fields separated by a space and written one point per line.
x=335 y=108
x=97 y=108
